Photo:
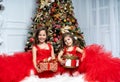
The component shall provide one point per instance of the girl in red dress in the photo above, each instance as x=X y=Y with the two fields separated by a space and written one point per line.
x=97 y=64
x=14 y=68
x=70 y=49
x=42 y=52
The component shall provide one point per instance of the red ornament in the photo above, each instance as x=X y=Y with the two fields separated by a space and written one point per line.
x=39 y=10
x=55 y=39
x=58 y=26
x=41 y=18
x=54 y=35
x=52 y=9
x=31 y=39
x=55 y=4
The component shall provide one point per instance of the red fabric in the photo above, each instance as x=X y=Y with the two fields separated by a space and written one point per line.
x=73 y=63
x=16 y=67
x=73 y=52
x=43 y=53
x=98 y=65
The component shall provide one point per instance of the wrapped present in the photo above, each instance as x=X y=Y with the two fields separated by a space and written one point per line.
x=71 y=61
x=48 y=66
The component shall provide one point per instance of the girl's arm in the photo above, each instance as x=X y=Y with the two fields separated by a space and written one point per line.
x=82 y=52
x=60 y=57
x=52 y=52
x=34 y=57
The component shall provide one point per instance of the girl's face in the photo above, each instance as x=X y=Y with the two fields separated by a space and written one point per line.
x=68 y=41
x=42 y=36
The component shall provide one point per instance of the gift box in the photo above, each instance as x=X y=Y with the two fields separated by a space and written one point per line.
x=71 y=61
x=48 y=66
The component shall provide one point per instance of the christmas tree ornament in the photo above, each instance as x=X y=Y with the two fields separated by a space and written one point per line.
x=73 y=20
x=54 y=35
x=53 y=9
x=64 y=20
x=55 y=39
x=44 y=3
x=31 y=39
x=54 y=4
x=52 y=1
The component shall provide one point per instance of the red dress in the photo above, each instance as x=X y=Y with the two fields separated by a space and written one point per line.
x=41 y=55
x=73 y=52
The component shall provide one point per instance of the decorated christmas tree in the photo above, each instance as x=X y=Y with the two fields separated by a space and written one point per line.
x=58 y=17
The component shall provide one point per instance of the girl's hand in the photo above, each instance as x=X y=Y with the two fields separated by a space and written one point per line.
x=53 y=58
x=37 y=68
x=62 y=62
x=82 y=58
x=45 y=60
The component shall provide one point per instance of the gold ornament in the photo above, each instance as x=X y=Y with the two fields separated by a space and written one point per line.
x=57 y=16
x=73 y=20
x=64 y=20
x=44 y=3
x=65 y=29
x=37 y=16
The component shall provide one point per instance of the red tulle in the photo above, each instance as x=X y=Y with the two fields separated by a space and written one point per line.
x=98 y=65
x=16 y=67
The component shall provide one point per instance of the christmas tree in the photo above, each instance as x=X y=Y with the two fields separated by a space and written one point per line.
x=58 y=17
